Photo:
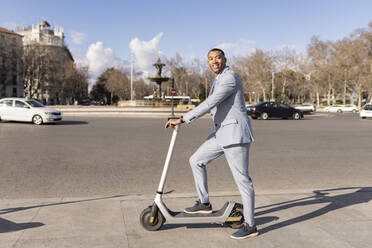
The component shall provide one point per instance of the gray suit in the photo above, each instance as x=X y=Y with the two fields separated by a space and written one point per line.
x=232 y=137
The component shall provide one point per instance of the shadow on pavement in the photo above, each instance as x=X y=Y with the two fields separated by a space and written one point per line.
x=9 y=226
x=259 y=221
x=70 y=123
x=12 y=210
x=47 y=124
x=362 y=195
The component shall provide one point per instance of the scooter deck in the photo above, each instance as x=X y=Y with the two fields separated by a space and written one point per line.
x=216 y=213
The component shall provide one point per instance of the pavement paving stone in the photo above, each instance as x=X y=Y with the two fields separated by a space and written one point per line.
x=15 y=218
x=307 y=235
x=74 y=242
x=288 y=220
x=328 y=218
x=69 y=220
x=356 y=234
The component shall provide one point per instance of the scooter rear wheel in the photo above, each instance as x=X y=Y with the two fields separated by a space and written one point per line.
x=236 y=212
x=145 y=220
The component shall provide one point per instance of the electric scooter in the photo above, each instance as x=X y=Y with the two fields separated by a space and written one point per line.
x=153 y=217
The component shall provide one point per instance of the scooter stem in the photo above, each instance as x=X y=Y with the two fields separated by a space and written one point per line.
x=168 y=159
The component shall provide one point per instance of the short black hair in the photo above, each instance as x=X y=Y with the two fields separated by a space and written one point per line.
x=217 y=49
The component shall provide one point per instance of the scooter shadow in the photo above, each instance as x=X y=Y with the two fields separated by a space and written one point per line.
x=259 y=221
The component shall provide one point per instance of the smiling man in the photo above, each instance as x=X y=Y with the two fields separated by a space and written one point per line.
x=232 y=137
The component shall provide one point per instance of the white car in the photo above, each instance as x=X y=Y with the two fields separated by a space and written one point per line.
x=342 y=108
x=29 y=110
x=366 y=111
x=306 y=107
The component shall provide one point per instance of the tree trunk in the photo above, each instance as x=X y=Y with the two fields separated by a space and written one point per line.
x=329 y=97
x=344 y=98
x=333 y=96
x=264 y=94
x=283 y=88
x=317 y=99
x=359 y=99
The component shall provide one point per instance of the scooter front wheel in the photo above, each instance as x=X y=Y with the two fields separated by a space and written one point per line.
x=146 y=223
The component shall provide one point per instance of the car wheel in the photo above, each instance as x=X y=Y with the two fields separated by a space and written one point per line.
x=37 y=120
x=364 y=117
x=296 y=116
x=264 y=116
x=354 y=111
x=339 y=111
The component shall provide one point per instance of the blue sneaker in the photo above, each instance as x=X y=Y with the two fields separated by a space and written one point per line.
x=199 y=208
x=245 y=232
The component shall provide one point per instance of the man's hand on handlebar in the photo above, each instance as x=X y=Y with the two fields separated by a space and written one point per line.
x=172 y=122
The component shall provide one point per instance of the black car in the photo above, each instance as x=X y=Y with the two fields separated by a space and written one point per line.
x=84 y=101
x=265 y=110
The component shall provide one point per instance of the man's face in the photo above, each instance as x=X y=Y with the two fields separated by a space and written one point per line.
x=216 y=61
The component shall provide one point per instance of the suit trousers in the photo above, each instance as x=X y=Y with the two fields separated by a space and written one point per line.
x=237 y=157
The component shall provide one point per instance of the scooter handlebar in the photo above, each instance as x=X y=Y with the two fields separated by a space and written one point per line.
x=173 y=118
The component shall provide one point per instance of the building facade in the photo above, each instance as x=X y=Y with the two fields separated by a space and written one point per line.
x=11 y=67
x=47 y=64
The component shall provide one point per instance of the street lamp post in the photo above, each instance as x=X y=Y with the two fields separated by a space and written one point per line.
x=131 y=79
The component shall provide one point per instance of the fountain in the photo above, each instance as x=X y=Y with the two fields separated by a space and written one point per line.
x=158 y=79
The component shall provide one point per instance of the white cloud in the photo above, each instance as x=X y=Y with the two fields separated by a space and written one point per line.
x=81 y=60
x=78 y=37
x=99 y=58
x=242 y=47
x=146 y=52
x=288 y=47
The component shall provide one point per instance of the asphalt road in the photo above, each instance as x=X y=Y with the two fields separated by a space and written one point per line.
x=94 y=156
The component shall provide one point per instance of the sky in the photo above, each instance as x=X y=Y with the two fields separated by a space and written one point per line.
x=112 y=33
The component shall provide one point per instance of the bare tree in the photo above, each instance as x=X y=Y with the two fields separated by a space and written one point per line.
x=141 y=89
x=37 y=66
x=256 y=73
x=117 y=83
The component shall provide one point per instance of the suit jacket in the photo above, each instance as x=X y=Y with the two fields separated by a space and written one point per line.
x=226 y=105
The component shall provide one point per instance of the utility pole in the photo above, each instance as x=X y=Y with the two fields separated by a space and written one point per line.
x=172 y=100
x=131 y=79
x=344 y=99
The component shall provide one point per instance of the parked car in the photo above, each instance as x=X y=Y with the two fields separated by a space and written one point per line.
x=366 y=111
x=306 y=107
x=265 y=110
x=342 y=108
x=249 y=107
x=28 y=110
x=84 y=101
x=100 y=103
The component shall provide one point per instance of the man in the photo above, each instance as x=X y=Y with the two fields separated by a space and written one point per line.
x=232 y=137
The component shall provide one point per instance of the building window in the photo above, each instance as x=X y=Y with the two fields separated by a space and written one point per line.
x=14 y=79
x=14 y=92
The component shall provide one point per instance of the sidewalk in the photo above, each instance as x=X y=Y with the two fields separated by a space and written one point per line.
x=118 y=111
x=332 y=218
